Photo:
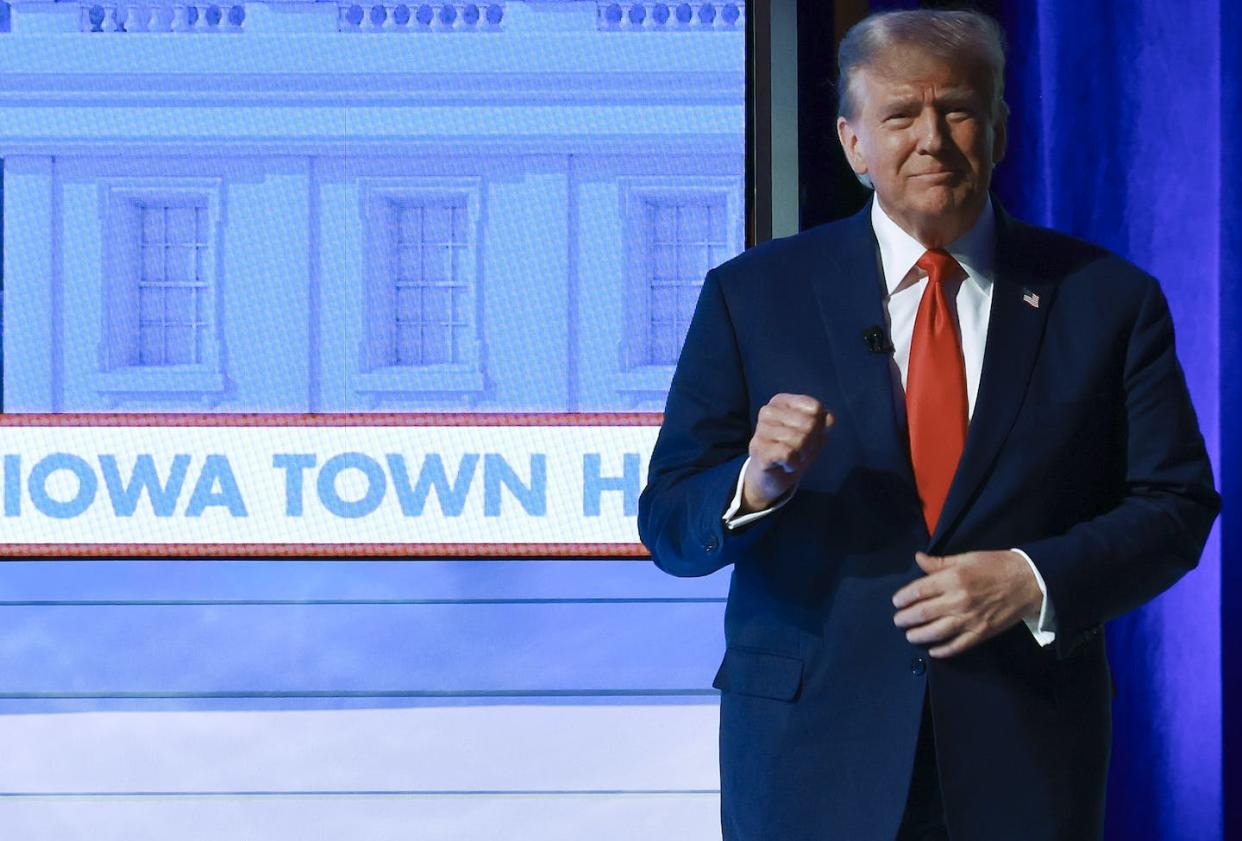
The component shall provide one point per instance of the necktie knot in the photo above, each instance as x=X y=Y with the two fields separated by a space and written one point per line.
x=939 y=265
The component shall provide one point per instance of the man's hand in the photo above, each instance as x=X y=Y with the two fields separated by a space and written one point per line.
x=965 y=599
x=787 y=439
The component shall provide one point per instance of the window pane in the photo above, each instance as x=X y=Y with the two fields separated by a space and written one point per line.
x=150 y=304
x=691 y=263
x=438 y=225
x=437 y=305
x=150 y=345
x=179 y=344
x=663 y=343
x=409 y=351
x=181 y=264
x=688 y=296
x=663 y=302
x=182 y=227
x=409 y=224
x=692 y=223
x=153 y=263
x=408 y=304
x=716 y=229
x=152 y=224
x=664 y=262
x=682 y=329
x=436 y=339
x=459 y=313
x=664 y=223
x=407 y=266
x=180 y=305
x=201 y=234
x=436 y=264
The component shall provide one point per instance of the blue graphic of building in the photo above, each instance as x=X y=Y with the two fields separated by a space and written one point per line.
x=308 y=206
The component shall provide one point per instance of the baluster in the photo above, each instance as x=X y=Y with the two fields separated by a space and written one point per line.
x=401 y=16
x=162 y=18
x=139 y=17
x=377 y=16
x=447 y=15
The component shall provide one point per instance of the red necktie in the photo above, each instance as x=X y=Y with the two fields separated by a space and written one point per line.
x=936 y=388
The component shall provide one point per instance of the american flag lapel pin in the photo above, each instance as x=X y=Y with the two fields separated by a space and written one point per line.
x=1030 y=298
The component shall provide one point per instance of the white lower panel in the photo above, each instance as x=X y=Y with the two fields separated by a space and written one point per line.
x=658 y=817
x=561 y=748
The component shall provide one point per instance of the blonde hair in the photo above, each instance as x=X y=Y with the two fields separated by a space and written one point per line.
x=950 y=35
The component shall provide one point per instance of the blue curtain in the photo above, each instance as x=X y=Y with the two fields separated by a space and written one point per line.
x=1230 y=223
x=1120 y=117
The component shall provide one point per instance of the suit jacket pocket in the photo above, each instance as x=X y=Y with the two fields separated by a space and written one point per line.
x=1084 y=680
x=763 y=674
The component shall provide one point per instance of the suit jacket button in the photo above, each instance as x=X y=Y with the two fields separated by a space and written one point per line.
x=918 y=666
x=710 y=544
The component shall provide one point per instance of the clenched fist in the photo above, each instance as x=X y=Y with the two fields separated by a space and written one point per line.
x=787 y=439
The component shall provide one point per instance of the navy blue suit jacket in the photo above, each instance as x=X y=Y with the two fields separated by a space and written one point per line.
x=1083 y=450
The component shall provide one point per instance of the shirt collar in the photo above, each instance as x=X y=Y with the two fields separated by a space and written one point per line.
x=973 y=250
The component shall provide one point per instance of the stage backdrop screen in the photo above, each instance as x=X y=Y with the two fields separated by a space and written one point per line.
x=335 y=341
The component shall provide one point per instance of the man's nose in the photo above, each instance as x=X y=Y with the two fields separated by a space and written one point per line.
x=932 y=132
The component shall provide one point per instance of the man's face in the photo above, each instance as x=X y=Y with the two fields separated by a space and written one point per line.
x=923 y=134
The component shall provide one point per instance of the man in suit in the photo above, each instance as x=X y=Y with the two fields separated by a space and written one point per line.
x=940 y=448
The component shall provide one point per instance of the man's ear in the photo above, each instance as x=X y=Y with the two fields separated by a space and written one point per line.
x=1000 y=135
x=849 y=144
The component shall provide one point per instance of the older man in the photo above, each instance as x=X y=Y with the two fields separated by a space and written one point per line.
x=940 y=449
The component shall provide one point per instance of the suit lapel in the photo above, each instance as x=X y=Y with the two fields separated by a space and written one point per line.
x=1015 y=330
x=849 y=292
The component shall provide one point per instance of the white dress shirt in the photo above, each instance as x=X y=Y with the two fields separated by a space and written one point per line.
x=971 y=302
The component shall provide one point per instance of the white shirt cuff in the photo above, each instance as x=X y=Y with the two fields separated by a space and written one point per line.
x=733 y=522
x=1043 y=629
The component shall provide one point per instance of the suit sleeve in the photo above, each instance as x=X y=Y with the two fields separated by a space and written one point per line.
x=1111 y=564
x=701 y=447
